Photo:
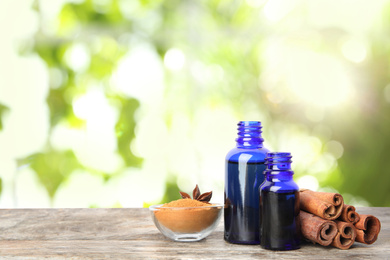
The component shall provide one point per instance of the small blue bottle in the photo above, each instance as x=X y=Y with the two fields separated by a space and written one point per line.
x=243 y=176
x=279 y=205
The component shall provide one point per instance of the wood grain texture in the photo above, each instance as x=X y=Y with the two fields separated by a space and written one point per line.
x=131 y=234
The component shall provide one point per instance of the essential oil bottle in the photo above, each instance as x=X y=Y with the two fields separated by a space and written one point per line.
x=279 y=205
x=243 y=176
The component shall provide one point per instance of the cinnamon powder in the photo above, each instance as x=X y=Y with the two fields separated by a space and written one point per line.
x=188 y=220
x=186 y=203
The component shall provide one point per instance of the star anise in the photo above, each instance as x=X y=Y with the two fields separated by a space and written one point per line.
x=196 y=195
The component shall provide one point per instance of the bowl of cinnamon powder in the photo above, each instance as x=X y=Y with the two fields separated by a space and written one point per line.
x=187 y=219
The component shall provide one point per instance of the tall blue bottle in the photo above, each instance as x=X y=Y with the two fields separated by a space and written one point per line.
x=279 y=205
x=243 y=176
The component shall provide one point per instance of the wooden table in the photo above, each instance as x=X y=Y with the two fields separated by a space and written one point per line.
x=130 y=233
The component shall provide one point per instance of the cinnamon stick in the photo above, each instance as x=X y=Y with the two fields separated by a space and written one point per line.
x=346 y=235
x=349 y=214
x=323 y=204
x=367 y=229
x=316 y=229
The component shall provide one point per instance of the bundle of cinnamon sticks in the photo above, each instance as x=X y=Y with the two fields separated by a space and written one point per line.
x=326 y=220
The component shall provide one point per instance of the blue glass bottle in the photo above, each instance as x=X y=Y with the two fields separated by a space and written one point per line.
x=279 y=205
x=243 y=176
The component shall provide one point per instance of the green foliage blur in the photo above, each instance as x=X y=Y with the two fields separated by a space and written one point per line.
x=3 y=109
x=54 y=166
x=226 y=33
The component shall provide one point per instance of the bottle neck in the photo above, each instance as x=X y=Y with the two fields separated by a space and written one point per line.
x=279 y=176
x=278 y=167
x=249 y=135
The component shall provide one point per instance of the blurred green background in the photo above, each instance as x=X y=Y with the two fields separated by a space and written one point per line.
x=122 y=103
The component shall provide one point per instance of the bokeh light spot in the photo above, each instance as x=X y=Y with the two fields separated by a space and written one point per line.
x=174 y=59
x=354 y=50
x=318 y=80
x=308 y=182
x=277 y=9
x=335 y=148
x=77 y=57
x=255 y=3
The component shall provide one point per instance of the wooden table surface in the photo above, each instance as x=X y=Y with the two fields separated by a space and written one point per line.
x=131 y=234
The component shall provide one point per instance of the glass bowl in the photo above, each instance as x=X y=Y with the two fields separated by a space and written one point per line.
x=186 y=224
